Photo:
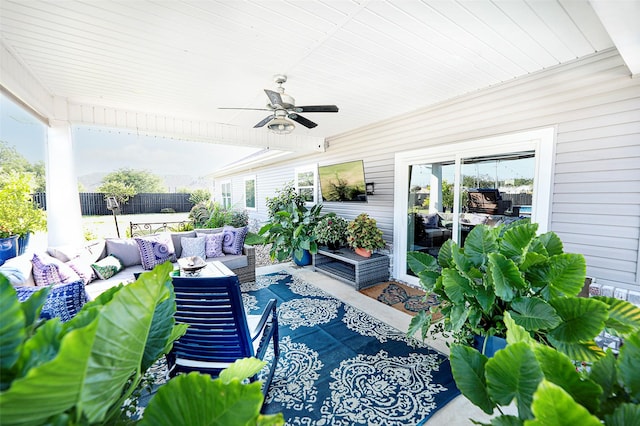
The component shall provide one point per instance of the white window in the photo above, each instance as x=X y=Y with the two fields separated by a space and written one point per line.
x=444 y=191
x=225 y=191
x=250 y=192
x=305 y=181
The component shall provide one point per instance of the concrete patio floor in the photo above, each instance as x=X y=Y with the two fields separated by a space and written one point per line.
x=459 y=411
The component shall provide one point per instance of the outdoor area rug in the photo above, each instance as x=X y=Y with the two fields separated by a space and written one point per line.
x=341 y=366
x=407 y=299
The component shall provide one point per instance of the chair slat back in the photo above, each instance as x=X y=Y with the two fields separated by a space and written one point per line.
x=212 y=306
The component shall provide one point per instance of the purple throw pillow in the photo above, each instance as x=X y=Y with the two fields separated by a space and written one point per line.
x=155 y=250
x=213 y=244
x=48 y=270
x=233 y=240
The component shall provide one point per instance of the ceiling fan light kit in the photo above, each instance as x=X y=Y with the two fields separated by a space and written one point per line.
x=283 y=106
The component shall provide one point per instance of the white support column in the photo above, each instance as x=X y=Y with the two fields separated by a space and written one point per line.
x=64 y=217
x=435 y=193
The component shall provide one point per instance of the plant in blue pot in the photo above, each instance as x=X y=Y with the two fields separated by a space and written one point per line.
x=508 y=268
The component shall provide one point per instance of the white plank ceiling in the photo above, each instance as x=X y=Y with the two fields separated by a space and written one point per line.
x=374 y=59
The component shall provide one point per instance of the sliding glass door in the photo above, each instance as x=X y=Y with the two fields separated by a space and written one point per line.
x=442 y=193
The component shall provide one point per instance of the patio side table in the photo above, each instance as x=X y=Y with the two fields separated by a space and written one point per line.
x=348 y=267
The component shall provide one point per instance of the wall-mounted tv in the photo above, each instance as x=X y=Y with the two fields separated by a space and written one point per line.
x=343 y=182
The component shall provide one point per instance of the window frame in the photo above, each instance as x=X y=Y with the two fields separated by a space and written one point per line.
x=314 y=187
x=226 y=198
x=255 y=192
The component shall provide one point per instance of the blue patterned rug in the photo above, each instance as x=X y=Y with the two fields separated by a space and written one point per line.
x=341 y=366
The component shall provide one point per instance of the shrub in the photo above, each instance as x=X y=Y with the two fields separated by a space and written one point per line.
x=284 y=197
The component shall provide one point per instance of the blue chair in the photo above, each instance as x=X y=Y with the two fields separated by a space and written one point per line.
x=219 y=330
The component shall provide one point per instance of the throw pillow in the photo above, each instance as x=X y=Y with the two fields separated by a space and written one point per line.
x=107 y=267
x=431 y=221
x=50 y=271
x=193 y=247
x=82 y=267
x=155 y=250
x=213 y=244
x=64 y=300
x=18 y=270
x=233 y=240
x=124 y=249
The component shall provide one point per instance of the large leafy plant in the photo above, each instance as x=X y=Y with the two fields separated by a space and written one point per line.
x=83 y=371
x=18 y=213
x=363 y=232
x=545 y=384
x=331 y=229
x=510 y=268
x=290 y=231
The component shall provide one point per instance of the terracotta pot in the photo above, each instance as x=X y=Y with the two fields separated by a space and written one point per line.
x=363 y=252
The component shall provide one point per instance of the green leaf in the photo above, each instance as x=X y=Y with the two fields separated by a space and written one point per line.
x=514 y=373
x=625 y=415
x=457 y=317
x=428 y=280
x=534 y=314
x=506 y=276
x=242 y=369
x=566 y=274
x=553 y=406
x=624 y=317
x=628 y=365
x=33 y=306
x=584 y=351
x=605 y=374
x=516 y=240
x=467 y=367
x=419 y=262
x=445 y=256
x=551 y=243
x=42 y=347
x=486 y=298
x=506 y=420
x=516 y=333
x=582 y=318
x=420 y=322
x=12 y=325
x=559 y=369
x=455 y=285
x=479 y=243
x=532 y=259
x=180 y=402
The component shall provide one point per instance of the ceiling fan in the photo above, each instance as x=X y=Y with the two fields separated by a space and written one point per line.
x=282 y=106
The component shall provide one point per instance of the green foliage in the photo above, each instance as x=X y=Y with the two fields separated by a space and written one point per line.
x=167 y=210
x=199 y=196
x=284 y=197
x=363 y=232
x=11 y=161
x=545 y=384
x=142 y=181
x=290 y=231
x=19 y=215
x=331 y=229
x=83 y=371
x=213 y=215
x=510 y=268
x=120 y=190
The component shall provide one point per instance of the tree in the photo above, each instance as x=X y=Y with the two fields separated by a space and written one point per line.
x=200 y=196
x=139 y=180
x=12 y=161
x=120 y=190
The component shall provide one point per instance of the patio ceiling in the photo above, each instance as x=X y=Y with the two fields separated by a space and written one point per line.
x=168 y=66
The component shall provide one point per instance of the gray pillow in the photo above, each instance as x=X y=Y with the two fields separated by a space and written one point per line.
x=176 y=238
x=193 y=247
x=125 y=249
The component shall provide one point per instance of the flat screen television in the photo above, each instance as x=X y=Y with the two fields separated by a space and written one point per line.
x=343 y=182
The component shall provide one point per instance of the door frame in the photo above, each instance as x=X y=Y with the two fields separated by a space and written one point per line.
x=541 y=141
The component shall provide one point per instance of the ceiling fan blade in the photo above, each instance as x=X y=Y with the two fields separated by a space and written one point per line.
x=317 y=108
x=264 y=121
x=274 y=97
x=300 y=119
x=249 y=109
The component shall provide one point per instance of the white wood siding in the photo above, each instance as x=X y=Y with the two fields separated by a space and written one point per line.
x=595 y=106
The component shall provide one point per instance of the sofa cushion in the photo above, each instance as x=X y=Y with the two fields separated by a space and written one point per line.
x=193 y=247
x=64 y=300
x=213 y=244
x=176 y=237
x=233 y=240
x=48 y=270
x=125 y=249
x=82 y=267
x=234 y=261
x=91 y=250
x=107 y=267
x=156 y=249
x=18 y=270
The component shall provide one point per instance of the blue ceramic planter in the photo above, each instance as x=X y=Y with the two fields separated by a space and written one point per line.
x=8 y=248
x=23 y=242
x=304 y=260
x=493 y=344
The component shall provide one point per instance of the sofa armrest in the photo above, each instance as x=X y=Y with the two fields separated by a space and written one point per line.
x=250 y=252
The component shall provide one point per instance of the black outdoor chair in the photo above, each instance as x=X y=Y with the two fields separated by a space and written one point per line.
x=220 y=332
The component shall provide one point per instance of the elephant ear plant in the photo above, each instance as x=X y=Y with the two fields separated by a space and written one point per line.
x=83 y=371
x=546 y=385
x=511 y=268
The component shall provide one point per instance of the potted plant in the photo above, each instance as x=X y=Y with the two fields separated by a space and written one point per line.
x=19 y=215
x=331 y=230
x=549 y=387
x=363 y=235
x=290 y=231
x=506 y=268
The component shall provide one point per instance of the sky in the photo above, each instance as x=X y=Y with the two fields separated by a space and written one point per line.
x=103 y=150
